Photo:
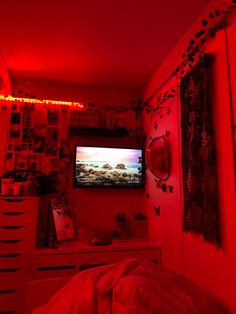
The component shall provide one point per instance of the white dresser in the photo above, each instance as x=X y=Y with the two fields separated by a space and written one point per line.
x=18 y=218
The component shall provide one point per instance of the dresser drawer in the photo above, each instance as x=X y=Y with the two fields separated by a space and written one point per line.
x=55 y=260
x=14 y=204
x=13 y=279
x=20 y=260
x=99 y=258
x=12 y=301
x=16 y=218
x=12 y=246
x=16 y=232
x=55 y=272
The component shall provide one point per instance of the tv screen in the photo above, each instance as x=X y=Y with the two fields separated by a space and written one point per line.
x=108 y=167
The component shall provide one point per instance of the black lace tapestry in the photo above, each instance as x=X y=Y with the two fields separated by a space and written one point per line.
x=201 y=208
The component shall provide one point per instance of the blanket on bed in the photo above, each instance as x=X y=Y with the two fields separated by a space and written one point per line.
x=129 y=287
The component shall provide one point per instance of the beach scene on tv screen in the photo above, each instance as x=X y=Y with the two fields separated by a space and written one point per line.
x=101 y=166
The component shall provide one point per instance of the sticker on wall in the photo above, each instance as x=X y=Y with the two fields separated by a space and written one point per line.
x=157 y=210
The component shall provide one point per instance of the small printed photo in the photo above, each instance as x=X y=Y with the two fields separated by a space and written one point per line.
x=30 y=146
x=27 y=119
x=53 y=117
x=52 y=141
x=27 y=135
x=10 y=147
x=24 y=146
x=17 y=147
x=15 y=118
x=28 y=107
x=34 y=166
x=63 y=152
x=9 y=155
x=15 y=132
x=65 y=142
x=32 y=161
x=40 y=129
x=14 y=107
x=3 y=107
x=118 y=123
x=20 y=162
x=39 y=144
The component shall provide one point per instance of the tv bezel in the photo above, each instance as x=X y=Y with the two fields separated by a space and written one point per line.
x=138 y=186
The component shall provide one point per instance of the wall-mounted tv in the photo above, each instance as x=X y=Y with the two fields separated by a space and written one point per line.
x=108 y=167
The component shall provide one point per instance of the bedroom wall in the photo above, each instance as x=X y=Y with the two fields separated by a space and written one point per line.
x=211 y=268
x=166 y=227
x=90 y=207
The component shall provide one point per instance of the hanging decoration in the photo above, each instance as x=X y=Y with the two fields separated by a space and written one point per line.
x=201 y=206
x=194 y=52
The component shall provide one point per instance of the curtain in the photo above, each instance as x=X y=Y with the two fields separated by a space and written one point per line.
x=199 y=171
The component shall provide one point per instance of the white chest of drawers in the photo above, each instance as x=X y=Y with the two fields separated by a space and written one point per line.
x=18 y=219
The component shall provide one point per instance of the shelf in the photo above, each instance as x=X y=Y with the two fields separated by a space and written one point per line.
x=98 y=132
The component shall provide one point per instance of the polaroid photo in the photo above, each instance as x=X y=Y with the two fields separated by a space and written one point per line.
x=27 y=135
x=15 y=132
x=15 y=118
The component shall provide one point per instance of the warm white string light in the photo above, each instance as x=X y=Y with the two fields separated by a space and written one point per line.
x=41 y=101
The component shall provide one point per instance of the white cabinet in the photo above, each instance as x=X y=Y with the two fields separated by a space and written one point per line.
x=75 y=256
x=18 y=218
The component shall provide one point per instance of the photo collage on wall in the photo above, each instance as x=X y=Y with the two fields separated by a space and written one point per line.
x=34 y=142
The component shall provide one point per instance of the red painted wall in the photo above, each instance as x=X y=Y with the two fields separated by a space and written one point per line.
x=211 y=268
x=90 y=207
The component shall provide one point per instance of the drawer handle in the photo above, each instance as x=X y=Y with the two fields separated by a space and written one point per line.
x=13 y=200
x=8 y=270
x=11 y=227
x=10 y=241
x=56 y=268
x=13 y=213
x=9 y=255
x=7 y=291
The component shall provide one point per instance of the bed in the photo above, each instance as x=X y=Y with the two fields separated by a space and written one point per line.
x=131 y=286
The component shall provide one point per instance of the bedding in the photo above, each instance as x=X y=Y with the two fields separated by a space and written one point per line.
x=130 y=287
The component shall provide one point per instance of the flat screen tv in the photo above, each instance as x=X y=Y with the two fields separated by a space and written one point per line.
x=108 y=167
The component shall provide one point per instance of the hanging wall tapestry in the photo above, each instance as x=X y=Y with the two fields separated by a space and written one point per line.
x=201 y=208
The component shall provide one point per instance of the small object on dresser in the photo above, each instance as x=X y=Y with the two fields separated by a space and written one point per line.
x=6 y=186
x=99 y=236
x=16 y=188
x=140 y=226
x=122 y=226
x=31 y=186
